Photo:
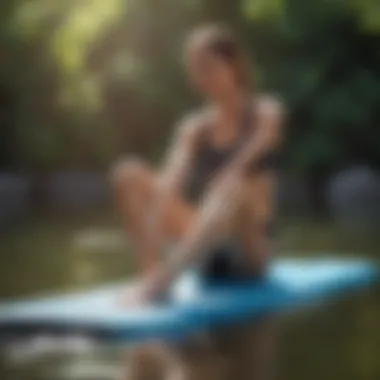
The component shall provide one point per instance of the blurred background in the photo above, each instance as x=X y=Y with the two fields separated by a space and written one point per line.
x=83 y=82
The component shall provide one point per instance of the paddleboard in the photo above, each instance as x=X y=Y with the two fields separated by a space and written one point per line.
x=192 y=305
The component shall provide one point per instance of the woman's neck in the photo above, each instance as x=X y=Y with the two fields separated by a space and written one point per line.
x=229 y=107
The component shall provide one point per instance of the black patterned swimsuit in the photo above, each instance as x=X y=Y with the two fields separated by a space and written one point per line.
x=224 y=260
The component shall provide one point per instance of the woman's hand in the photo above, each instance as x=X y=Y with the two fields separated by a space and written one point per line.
x=151 y=288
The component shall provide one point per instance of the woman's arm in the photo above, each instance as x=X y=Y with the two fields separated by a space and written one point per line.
x=177 y=163
x=268 y=117
x=179 y=156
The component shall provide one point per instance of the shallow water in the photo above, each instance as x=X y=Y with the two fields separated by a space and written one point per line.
x=340 y=341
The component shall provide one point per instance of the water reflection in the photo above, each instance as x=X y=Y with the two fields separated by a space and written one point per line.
x=245 y=352
x=338 y=342
x=48 y=358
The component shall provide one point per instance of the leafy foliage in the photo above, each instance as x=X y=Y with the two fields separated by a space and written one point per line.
x=93 y=78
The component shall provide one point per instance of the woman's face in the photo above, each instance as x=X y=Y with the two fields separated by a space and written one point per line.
x=210 y=74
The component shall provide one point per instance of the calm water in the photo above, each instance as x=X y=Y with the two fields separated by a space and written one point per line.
x=339 y=342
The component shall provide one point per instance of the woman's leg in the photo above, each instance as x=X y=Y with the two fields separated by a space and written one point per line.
x=218 y=220
x=253 y=353
x=229 y=211
x=135 y=188
x=219 y=217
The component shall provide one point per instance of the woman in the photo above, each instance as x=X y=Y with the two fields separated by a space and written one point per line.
x=214 y=197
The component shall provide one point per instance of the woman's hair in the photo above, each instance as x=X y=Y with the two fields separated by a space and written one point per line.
x=221 y=42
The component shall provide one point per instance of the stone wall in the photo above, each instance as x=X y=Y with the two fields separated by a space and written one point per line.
x=353 y=196
x=14 y=198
